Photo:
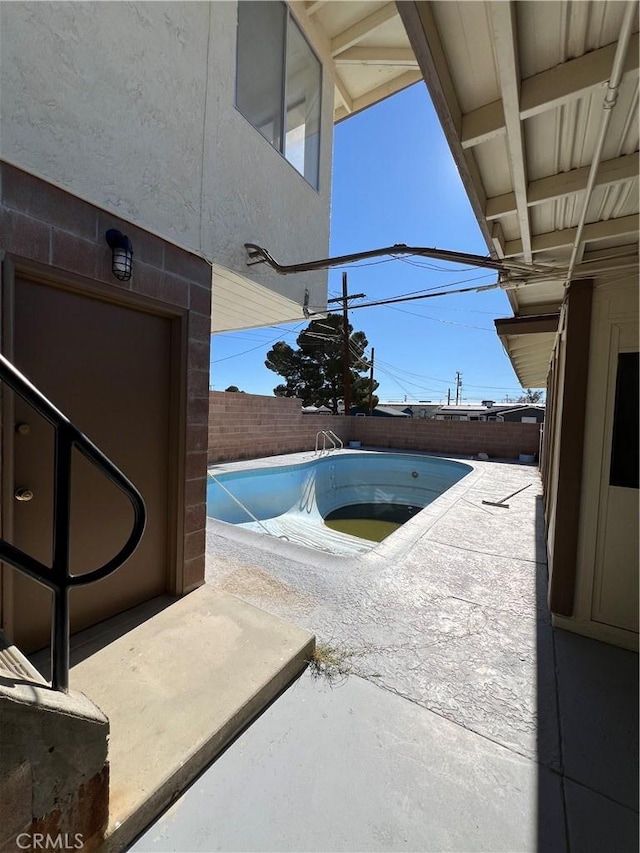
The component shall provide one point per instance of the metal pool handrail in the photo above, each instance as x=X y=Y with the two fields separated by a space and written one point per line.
x=326 y=434
x=332 y=434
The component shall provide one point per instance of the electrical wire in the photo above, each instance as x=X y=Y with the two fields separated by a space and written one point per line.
x=439 y=320
x=244 y=352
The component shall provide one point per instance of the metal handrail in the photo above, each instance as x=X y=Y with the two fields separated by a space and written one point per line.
x=57 y=577
x=325 y=435
x=332 y=434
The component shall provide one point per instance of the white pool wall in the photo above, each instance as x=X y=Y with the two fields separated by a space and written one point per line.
x=318 y=486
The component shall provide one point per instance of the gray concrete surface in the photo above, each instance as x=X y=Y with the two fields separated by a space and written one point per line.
x=356 y=768
x=176 y=688
x=467 y=723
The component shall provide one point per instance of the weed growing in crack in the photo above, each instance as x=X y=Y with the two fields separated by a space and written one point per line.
x=336 y=662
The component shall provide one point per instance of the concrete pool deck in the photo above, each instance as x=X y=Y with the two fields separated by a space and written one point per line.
x=467 y=722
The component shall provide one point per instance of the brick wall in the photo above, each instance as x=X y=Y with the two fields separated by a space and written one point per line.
x=40 y=222
x=248 y=426
x=459 y=438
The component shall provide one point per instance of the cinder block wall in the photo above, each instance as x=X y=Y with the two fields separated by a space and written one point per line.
x=248 y=426
x=459 y=438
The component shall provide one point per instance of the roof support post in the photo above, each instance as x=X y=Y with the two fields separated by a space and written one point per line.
x=570 y=413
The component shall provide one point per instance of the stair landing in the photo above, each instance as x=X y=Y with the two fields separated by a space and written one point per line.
x=177 y=688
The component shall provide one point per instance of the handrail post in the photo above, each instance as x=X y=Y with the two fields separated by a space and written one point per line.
x=61 y=533
x=60 y=655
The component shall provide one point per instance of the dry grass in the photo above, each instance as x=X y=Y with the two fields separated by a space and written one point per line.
x=335 y=662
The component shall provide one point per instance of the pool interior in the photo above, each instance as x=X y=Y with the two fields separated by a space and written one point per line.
x=372 y=521
x=343 y=504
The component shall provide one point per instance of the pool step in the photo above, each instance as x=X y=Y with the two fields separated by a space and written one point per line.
x=299 y=531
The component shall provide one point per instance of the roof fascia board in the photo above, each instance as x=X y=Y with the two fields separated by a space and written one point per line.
x=527 y=325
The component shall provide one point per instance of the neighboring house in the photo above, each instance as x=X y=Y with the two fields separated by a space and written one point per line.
x=512 y=84
x=316 y=410
x=415 y=409
x=521 y=414
x=379 y=412
x=461 y=412
x=489 y=411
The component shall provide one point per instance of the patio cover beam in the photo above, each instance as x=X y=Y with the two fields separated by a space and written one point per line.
x=624 y=226
x=384 y=90
x=381 y=55
x=361 y=29
x=554 y=187
x=548 y=89
x=504 y=29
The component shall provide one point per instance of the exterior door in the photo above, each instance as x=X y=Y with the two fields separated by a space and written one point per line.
x=615 y=599
x=107 y=367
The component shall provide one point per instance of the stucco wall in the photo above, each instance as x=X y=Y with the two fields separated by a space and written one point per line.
x=248 y=426
x=130 y=106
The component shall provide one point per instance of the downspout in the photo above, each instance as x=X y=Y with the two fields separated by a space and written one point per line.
x=610 y=99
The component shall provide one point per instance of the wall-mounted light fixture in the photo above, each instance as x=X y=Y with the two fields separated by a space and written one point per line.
x=122 y=254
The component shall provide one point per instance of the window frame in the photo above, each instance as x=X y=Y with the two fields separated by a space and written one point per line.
x=281 y=150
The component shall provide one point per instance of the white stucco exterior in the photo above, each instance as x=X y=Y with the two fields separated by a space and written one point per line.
x=131 y=107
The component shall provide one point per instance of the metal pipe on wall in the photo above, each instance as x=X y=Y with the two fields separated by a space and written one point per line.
x=610 y=98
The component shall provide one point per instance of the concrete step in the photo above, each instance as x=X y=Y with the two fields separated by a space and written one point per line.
x=177 y=688
x=15 y=665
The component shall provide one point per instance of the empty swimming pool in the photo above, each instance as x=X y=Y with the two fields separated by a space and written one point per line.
x=345 y=489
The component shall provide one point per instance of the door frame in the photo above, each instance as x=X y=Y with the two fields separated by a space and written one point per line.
x=14 y=266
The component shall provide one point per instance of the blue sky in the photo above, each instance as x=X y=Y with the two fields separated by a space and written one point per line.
x=394 y=181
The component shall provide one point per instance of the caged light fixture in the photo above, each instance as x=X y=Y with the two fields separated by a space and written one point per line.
x=122 y=254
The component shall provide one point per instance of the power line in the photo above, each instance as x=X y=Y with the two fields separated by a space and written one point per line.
x=438 y=319
x=244 y=352
x=478 y=289
x=505 y=388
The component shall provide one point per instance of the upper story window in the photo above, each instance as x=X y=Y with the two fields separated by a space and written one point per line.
x=278 y=83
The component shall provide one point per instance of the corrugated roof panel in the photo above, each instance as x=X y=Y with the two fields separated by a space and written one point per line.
x=465 y=29
x=551 y=33
x=493 y=162
x=622 y=134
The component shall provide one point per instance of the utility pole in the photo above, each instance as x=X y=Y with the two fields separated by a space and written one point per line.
x=346 y=361
x=371 y=383
x=458 y=386
x=448 y=396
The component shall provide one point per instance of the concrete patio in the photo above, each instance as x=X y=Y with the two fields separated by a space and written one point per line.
x=466 y=721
